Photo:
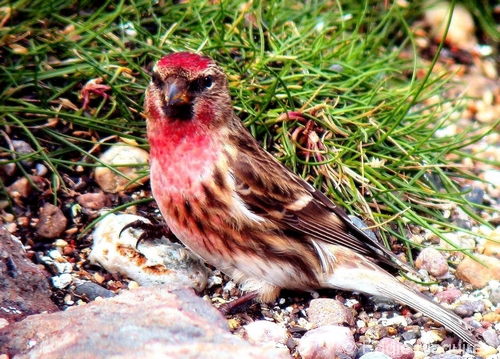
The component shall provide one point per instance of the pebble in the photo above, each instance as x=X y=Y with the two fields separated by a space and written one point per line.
x=265 y=333
x=491 y=317
x=477 y=274
x=491 y=338
x=394 y=349
x=457 y=240
x=94 y=201
x=60 y=243
x=375 y=355
x=7 y=170
x=41 y=170
x=461 y=32
x=23 y=148
x=463 y=310
x=495 y=296
x=55 y=254
x=433 y=261
x=327 y=342
x=475 y=194
x=21 y=188
x=376 y=332
x=485 y=351
x=409 y=335
x=433 y=336
x=324 y=311
x=362 y=350
x=92 y=290
x=492 y=249
x=51 y=223
x=449 y=295
x=152 y=262
x=62 y=281
x=111 y=182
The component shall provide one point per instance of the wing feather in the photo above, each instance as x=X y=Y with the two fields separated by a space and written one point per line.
x=271 y=190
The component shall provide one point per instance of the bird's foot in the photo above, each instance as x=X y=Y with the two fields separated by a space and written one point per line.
x=150 y=230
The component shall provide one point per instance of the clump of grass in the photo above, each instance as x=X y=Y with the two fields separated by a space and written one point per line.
x=326 y=86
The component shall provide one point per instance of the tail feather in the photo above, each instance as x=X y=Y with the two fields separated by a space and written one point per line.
x=371 y=279
x=425 y=305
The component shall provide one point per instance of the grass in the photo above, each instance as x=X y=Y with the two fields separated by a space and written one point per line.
x=334 y=89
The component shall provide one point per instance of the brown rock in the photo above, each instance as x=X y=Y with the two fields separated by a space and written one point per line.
x=20 y=189
x=24 y=288
x=476 y=273
x=150 y=322
x=433 y=261
x=52 y=222
x=448 y=296
x=94 y=200
x=376 y=332
x=324 y=311
x=7 y=171
x=492 y=244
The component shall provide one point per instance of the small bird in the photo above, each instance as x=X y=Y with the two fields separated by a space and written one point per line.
x=242 y=211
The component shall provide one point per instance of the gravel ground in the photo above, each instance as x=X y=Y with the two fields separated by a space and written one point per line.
x=52 y=240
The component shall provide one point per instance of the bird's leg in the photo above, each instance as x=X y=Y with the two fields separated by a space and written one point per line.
x=229 y=308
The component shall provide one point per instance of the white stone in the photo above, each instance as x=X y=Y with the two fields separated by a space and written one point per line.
x=327 y=342
x=62 y=281
x=266 y=333
x=152 y=262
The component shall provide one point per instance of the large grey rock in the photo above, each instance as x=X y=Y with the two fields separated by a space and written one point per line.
x=150 y=322
x=24 y=289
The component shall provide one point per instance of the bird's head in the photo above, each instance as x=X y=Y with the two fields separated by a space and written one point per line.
x=187 y=90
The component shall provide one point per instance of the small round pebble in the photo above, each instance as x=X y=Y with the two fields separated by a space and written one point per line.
x=94 y=201
x=463 y=310
x=265 y=333
x=327 y=342
x=433 y=261
x=449 y=296
x=324 y=311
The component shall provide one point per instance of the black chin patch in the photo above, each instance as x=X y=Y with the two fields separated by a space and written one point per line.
x=179 y=112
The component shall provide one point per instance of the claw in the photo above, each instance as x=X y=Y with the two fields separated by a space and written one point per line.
x=150 y=230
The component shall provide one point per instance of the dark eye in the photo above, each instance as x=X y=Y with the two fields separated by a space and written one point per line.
x=207 y=82
x=156 y=79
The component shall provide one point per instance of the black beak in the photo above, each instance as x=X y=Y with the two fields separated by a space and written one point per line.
x=177 y=93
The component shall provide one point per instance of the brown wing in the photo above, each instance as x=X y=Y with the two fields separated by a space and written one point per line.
x=271 y=190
